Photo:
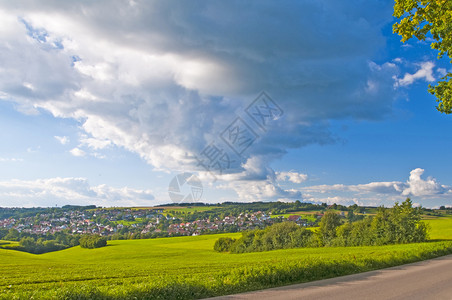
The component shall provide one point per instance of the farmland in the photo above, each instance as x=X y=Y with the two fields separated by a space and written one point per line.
x=187 y=267
x=441 y=228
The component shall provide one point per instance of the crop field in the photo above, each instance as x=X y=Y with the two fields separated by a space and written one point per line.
x=188 y=268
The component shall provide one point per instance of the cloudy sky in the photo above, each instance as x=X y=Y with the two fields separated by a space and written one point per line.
x=105 y=102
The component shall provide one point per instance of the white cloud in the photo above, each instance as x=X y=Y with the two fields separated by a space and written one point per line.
x=94 y=143
x=419 y=187
x=158 y=80
x=48 y=192
x=377 y=193
x=441 y=71
x=64 y=140
x=291 y=176
x=425 y=72
x=78 y=152
x=164 y=86
x=262 y=190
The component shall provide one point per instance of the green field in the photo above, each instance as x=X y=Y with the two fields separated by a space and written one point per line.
x=8 y=244
x=308 y=215
x=188 y=268
x=441 y=228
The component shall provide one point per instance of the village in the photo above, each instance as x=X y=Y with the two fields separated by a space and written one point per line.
x=139 y=223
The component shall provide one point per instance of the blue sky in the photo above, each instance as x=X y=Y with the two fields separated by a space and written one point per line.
x=105 y=103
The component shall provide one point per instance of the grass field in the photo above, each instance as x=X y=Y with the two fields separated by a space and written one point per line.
x=8 y=244
x=188 y=268
x=441 y=228
x=308 y=215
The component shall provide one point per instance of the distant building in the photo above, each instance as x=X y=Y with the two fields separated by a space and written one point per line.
x=294 y=218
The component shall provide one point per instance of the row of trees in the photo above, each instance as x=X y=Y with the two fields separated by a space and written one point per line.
x=29 y=244
x=40 y=245
x=278 y=236
x=397 y=225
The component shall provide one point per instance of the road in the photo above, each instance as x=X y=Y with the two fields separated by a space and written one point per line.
x=431 y=279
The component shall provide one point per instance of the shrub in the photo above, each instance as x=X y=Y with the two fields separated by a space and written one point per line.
x=92 y=241
x=223 y=244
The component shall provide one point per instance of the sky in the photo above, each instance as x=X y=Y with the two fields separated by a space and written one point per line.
x=140 y=103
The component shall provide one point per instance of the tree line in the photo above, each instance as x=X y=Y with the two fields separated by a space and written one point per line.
x=397 y=225
x=35 y=244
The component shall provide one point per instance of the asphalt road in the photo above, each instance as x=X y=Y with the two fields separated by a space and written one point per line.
x=431 y=279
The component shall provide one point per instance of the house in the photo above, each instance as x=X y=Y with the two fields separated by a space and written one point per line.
x=294 y=218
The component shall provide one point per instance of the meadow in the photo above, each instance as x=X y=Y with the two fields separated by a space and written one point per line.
x=189 y=268
x=441 y=228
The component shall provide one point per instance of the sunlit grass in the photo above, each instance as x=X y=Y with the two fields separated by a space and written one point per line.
x=188 y=268
x=441 y=228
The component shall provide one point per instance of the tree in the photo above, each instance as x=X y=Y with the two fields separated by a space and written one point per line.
x=328 y=225
x=407 y=225
x=13 y=235
x=92 y=241
x=279 y=235
x=28 y=243
x=429 y=18
x=382 y=227
x=350 y=216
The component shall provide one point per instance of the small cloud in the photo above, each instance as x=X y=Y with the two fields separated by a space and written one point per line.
x=78 y=152
x=33 y=150
x=94 y=143
x=98 y=155
x=64 y=140
x=425 y=72
x=29 y=86
x=2 y=159
x=291 y=176
x=441 y=71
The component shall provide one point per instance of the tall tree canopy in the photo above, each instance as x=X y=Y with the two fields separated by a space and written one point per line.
x=429 y=18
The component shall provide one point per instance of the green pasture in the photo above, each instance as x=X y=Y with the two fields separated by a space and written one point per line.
x=188 y=268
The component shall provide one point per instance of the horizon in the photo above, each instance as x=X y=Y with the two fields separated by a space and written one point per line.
x=199 y=204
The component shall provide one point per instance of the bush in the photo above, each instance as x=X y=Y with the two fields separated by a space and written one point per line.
x=223 y=244
x=93 y=241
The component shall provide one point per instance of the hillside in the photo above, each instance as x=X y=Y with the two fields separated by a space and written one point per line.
x=188 y=267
